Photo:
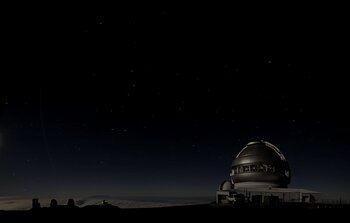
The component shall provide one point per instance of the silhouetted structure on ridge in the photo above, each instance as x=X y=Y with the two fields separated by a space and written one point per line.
x=53 y=203
x=35 y=203
x=71 y=203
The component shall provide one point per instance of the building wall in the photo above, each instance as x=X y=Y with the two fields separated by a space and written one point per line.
x=256 y=196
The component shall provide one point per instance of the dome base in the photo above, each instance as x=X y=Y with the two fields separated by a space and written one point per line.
x=258 y=185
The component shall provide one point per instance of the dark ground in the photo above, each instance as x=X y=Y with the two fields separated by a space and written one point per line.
x=179 y=213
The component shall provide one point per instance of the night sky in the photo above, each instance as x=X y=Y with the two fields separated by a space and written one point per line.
x=157 y=102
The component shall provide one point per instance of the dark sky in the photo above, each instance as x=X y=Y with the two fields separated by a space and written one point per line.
x=157 y=102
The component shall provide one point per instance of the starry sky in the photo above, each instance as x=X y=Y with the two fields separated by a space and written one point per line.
x=157 y=102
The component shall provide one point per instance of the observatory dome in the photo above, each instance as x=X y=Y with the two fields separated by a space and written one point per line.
x=260 y=164
x=226 y=185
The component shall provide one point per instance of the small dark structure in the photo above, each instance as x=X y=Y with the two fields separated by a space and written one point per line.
x=53 y=203
x=71 y=203
x=271 y=201
x=257 y=200
x=35 y=203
